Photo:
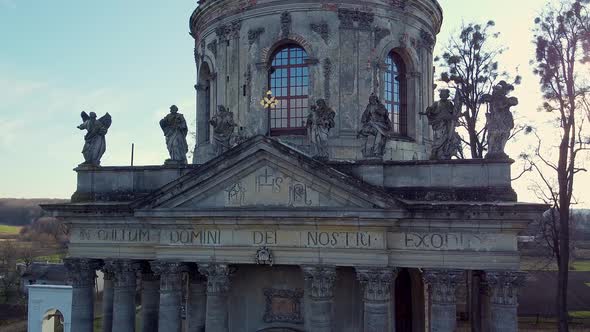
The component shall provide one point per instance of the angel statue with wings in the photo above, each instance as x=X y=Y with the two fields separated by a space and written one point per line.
x=95 y=143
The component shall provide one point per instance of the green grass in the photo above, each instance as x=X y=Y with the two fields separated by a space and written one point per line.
x=55 y=258
x=9 y=230
x=583 y=266
x=580 y=314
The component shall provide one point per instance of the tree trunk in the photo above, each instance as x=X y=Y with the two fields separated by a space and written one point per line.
x=564 y=234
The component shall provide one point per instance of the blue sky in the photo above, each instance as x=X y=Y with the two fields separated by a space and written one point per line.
x=133 y=59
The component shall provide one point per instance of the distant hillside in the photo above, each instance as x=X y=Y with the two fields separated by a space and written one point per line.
x=20 y=212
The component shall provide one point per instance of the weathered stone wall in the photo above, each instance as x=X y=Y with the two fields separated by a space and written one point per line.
x=347 y=44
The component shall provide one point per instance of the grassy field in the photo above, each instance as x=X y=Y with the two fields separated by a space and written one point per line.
x=581 y=266
x=9 y=230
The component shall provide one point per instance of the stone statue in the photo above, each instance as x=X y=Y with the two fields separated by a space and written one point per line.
x=319 y=122
x=223 y=128
x=500 y=119
x=175 y=130
x=376 y=126
x=443 y=116
x=95 y=143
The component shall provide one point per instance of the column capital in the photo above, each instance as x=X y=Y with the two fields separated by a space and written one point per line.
x=217 y=277
x=443 y=284
x=169 y=274
x=503 y=286
x=82 y=271
x=124 y=271
x=376 y=282
x=322 y=280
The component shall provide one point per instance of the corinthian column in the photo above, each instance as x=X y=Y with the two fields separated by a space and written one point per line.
x=150 y=299
x=377 y=297
x=503 y=290
x=82 y=274
x=197 y=302
x=169 y=317
x=218 y=284
x=442 y=286
x=319 y=285
x=125 y=280
x=107 y=301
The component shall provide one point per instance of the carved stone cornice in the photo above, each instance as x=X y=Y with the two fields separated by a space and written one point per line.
x=170 y=274
x=503 y=286
x=218 y=275
x=355 y=19
x=426 y=40
x=254 y=35
x=82 y=271
x=376 y=283
x=321 y=29
x=124 y=271
x=443 y=284
x=229 y=31
x=322 y=280
x=401 y=4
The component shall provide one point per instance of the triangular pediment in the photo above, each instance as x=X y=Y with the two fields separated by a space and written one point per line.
x=263 y=173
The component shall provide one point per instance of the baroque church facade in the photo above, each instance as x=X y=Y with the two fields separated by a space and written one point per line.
x=264 y=233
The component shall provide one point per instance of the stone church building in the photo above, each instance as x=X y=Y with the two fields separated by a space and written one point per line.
x=259 y=234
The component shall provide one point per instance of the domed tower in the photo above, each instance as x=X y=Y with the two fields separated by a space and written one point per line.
x=340 y=51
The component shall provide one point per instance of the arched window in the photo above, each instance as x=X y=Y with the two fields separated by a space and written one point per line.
x=289 y=83
x=395 y=93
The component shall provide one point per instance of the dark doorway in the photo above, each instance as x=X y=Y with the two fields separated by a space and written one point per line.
x=403 y=302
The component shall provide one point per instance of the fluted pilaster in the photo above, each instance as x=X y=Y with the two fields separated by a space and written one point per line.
x=376 y=284
x=319 y=284
x=442 y=286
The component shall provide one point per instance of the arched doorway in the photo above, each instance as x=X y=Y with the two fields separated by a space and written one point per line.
x=53 y=321
x=403 y=302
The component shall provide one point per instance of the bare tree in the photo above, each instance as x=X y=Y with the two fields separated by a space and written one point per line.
x=562 y=40
x=469 y=64
x=9 y=277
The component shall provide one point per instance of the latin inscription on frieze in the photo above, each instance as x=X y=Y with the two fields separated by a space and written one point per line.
x=336 y=239
x=450 y=241
x=230 y=237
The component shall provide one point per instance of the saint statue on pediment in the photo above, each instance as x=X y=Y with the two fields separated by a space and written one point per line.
x=175 y=129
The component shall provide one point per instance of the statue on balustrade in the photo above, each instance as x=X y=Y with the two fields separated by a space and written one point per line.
x=95 y=143
x=175 y=129
x=376 y=127
x=500 y=119
x=319 y=122
x=444 y=116
x=223 y=129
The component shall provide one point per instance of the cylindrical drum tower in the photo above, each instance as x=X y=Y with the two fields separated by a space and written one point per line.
x=342 y=51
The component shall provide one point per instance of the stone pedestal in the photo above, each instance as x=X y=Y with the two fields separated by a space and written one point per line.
x=377 y=297
x=218 y=285
x=125 y=280
x=503 y=289
x=442 y=286
x=107 y=301
x=82 y=274
x=150 y=301
x=169 y=316
x=197 y=302
x=320 y=289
